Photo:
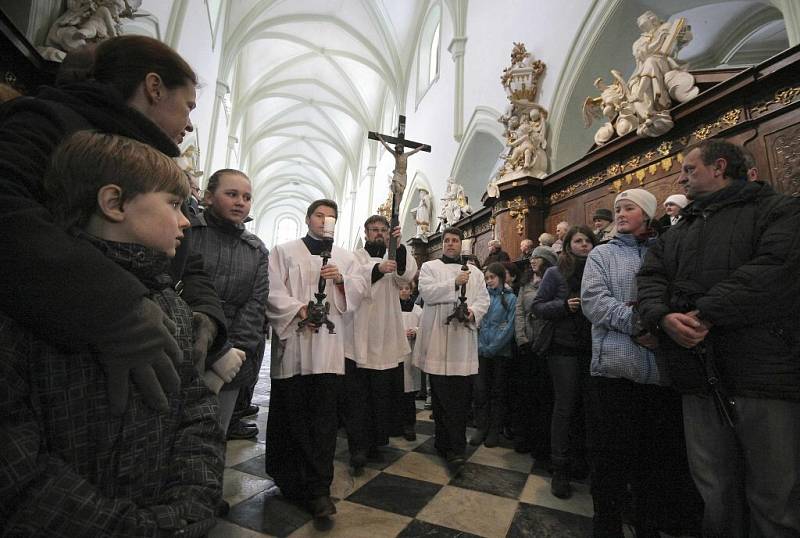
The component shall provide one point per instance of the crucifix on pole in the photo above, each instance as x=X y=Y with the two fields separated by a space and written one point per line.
x=399 y=173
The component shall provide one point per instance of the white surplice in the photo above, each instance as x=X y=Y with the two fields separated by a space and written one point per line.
x=293 y=278
x=412 y=381
x=378 y=336
x=448 y=349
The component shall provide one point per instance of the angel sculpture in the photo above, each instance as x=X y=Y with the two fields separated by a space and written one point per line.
x=616 y=104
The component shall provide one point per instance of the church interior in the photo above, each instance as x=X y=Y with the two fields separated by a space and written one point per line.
x=533 y=113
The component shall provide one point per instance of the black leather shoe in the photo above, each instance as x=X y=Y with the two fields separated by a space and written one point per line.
x=251 y=411
x=321 y=507
x=242 y=430
x=455 y=464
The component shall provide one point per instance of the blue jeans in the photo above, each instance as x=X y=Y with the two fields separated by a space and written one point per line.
x=749 y=475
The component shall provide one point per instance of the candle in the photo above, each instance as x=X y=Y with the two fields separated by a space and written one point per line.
x=327 y=231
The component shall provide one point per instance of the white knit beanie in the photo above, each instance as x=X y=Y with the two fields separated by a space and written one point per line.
x=677 y=199
x=640 y=197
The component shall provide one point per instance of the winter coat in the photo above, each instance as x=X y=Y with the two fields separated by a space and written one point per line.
x=496 y=331
x=72 y=468
x=608 y=295
x=734 y=256
x=570 y=330
x=527 y=326
x=37 y=291
x=238 y=263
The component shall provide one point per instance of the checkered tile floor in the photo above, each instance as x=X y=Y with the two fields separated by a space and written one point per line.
x=500 y=493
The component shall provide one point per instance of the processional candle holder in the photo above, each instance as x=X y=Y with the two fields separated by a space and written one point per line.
x=461 y=312
x=317 y=311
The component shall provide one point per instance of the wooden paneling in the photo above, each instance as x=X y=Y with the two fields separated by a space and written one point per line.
x=556 y=216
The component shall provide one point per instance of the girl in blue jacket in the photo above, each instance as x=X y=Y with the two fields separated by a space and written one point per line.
x=494 y=351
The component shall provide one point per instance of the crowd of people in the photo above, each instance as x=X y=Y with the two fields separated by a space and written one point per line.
x=657 y=357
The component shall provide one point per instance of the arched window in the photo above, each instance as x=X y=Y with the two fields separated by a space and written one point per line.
x=428 y=51
x=433 y=55
x=288 y=229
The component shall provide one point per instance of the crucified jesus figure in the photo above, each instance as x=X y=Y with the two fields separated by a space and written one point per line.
x=400 y=166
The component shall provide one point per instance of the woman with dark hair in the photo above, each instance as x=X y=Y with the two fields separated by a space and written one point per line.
x=141 y=89
x=568 y=347
x=73 y=296
x=495 y=335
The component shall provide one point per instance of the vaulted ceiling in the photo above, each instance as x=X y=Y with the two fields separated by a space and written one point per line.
x=308 y=80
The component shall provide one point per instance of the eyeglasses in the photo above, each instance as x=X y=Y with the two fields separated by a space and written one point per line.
x=378 y=230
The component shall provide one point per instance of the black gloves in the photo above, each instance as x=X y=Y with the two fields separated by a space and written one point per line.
x=141 y=344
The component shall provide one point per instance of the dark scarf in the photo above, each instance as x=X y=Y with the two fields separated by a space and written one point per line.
x=150 y=266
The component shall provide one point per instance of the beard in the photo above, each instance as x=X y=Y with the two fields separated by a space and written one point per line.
x=376 y=249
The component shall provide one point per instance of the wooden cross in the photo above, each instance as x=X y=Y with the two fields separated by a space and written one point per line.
x=400 y=164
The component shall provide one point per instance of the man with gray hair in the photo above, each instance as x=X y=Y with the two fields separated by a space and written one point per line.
x=721 y=292
x=546 y=240
x=526 y=249
x=561 y=230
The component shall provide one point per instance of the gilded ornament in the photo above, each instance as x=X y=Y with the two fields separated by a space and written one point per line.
x=653 y=168
x=517 y=209
x=664 y=148
x=633 y=162
x=784 y=97
x=666 y=163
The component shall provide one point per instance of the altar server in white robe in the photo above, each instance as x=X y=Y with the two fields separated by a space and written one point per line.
x=378 y=345
x=449 y=353
x=307 y=366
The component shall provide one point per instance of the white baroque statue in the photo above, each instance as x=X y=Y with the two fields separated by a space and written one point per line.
x=454 y=204
x=422 y=214
x=86 y=21
x=657 y=82
x=524 y=120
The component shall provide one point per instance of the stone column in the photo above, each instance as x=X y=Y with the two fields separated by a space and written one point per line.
x=457 y=47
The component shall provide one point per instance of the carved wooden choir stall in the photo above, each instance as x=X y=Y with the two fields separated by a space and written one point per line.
x=757 y=107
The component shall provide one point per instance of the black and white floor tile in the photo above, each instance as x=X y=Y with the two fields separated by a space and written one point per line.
x=410 y=494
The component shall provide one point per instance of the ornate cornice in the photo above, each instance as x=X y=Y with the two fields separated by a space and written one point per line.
x=641 y=165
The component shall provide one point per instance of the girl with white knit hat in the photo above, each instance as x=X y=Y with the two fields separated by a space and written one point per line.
x=637 y=422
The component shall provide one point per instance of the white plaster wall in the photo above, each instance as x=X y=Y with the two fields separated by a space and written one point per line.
x=547 y=29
